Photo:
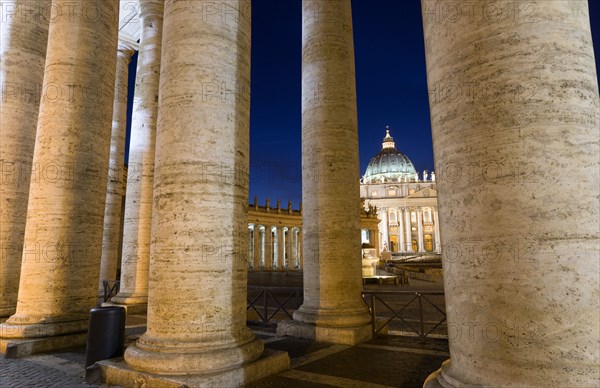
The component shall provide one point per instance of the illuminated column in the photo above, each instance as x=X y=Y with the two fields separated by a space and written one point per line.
x=289 y=248
x=23 y=42
x=408 y=229
x=257 y=248
x=63 y=234
x=279 y=238
x=401 y=245
x=138 y=201
x=420 y=229
x=520 y=229
x=438 y=241
x=198 y=270
x=300 y=247
x=333 y=309
x=268 y=236
x=385 y=244
x=115 y=189
x=294 y=249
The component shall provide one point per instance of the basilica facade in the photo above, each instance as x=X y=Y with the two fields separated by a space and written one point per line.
x=406 y=203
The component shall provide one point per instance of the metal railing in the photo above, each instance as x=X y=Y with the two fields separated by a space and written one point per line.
x=110 y=288
x=412 y=310
x=268 y=302
x=374 y=298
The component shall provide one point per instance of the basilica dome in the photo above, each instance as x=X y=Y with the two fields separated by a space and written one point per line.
x=389 y=164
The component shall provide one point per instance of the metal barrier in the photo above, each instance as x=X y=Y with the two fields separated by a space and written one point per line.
x=110 y=290
x=272 y=304
x=269 y=298
x=371 y=299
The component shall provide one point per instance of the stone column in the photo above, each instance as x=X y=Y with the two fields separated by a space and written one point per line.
x=115 y=189
x=198 y=271
x=138 y=201
x=401 y=245
x=385 y=230
x=23 y=42
x=420 y=229
x=268 y=237
x=438 y=241
x=299 y=248
x=257 y=247
x=280 y=248
x=521 y=236
x=63 y=235
x=289 y=241
x=408 y=230
x=294 y=248
x=333 y=310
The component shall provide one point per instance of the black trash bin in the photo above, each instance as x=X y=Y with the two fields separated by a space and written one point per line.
x=106 y=334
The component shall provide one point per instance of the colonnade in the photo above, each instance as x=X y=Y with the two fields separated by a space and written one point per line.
x=411 y=229
x=274 y=248
x=196 y=241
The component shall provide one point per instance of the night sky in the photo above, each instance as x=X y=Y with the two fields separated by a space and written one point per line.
x=391 y=88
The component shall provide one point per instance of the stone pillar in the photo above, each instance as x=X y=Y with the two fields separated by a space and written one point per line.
x=115 y=189
x=300 y=248
x=333 y=309
x=401 y=244
x=289 y=241
x=257 y=248
x=280 y=248
x=138 y=201
x=198 y=272
x=420 y=229
x=268 y=236
x=438 y=241
x=521 y=236
x=408 y=229
x=23 y=42
x=63 y=235
x=385 y=229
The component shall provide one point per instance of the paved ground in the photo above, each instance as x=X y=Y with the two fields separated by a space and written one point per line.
x=382 y=362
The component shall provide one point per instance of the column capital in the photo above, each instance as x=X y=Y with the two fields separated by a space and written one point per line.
x=127 y=46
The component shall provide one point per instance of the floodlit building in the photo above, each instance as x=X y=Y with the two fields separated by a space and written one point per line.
x=406 y=203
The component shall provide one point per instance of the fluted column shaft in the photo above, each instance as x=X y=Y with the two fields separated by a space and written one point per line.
x=23 y=42
x=115 y=190
x=518 y=181
x=330 y=194
x=63 y=235
x=140 y=173
x=198 y=271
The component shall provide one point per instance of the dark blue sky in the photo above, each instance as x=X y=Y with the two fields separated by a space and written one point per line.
x=391 y=88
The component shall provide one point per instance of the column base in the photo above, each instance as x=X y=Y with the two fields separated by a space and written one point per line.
x=17 y=348
x=441 y=379
x=336 y=335
x=117 y=372
x=130 y=309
